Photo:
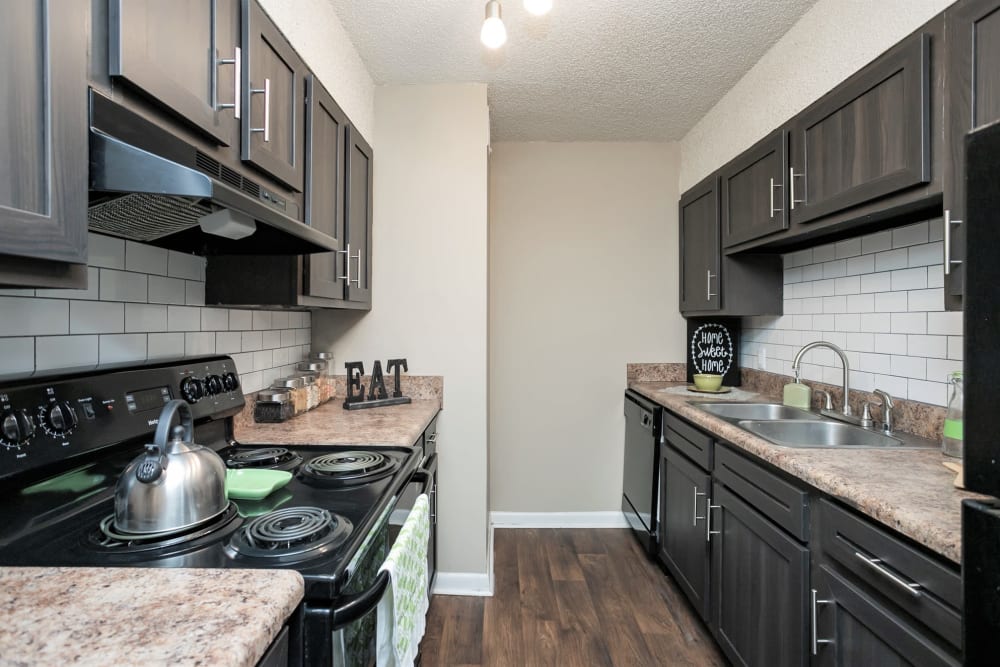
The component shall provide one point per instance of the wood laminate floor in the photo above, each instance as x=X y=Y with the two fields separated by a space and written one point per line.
x=569 y=597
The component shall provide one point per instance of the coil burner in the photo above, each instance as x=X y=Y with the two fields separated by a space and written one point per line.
x=106 y=536
x=349 y=468
x=292 y=531
x=277 y=458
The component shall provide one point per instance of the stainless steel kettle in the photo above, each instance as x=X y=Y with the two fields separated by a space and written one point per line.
x=176 y=484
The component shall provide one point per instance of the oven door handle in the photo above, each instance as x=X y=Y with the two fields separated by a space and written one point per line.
x=357 y=605
x=425 y=475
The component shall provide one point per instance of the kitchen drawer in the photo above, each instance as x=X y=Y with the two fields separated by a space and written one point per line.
x=688 y=440
x=782 y=502
x=926 y=589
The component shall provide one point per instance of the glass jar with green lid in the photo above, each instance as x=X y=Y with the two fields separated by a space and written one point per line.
x=953 y=436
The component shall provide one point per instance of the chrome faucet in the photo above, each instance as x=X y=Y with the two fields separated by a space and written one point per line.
x=887 y=406
x=847 y=371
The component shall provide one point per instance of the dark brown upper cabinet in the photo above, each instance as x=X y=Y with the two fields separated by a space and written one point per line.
x=698 y=219
x=973 y=72
x=183 y=54
x=273 y=106
x=867 y=139
x=326 y=127
x=754 y=200
x=358 y=191
x=43 y=143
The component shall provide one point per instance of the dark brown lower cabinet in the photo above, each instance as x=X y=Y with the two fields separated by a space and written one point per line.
x=684 y=543
x=855 y=628
x=760 y=580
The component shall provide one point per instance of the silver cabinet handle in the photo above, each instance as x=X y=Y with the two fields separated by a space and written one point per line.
x=267 y=109
x=694 y=511
x=237 y=62
x=773 y=209
x=347 y=263
x=433 y=437
x=708 y=519
x=708 y=285
x=948 y=222
x=791 y=187
x=356 y=281
x=816 y=641
x=876 y=565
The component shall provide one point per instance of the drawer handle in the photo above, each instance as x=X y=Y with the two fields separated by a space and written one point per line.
x=876 y=565
x=816 y=641
x=708 y=519
x=694 y=510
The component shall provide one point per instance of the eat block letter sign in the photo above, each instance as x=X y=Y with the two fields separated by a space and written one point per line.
x=377 y=394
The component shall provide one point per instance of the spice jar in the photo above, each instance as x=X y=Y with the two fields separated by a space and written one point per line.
x=312 y=389
x=323 y=380
x=295 y=386
x=273 y=406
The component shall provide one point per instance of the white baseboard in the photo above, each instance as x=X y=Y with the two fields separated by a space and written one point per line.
x=464 y=583
x=613 y=519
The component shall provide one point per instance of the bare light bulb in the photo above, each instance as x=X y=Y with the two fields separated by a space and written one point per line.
x=493 y=34
x=538 y=7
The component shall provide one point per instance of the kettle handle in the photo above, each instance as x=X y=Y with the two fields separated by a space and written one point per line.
x=167 y=417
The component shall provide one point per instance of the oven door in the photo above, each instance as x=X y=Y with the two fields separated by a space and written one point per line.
x=355 y=617
x=424 y=480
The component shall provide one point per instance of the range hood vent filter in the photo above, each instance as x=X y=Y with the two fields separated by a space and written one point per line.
x=145 y=217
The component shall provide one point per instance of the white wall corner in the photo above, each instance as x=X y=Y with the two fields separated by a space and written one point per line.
x=471 y=584
x=557 y=520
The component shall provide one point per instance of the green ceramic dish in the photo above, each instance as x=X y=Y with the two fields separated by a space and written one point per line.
x=254 y=484
x=707 y=381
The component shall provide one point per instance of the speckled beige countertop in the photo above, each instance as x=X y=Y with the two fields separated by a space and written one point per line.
x=907 y=490
x=331 y=424
x=134 y=616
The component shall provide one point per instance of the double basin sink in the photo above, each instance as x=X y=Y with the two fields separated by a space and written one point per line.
x=791 y=427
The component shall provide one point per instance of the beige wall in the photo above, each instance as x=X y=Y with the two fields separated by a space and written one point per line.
x=429 y=286
x=583 y=279
x=830 y=42
x=319 y=37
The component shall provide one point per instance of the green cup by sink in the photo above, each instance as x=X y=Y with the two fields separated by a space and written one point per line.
x=708 y=381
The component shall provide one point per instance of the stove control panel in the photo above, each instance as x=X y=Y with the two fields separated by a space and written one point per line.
x=47 y=420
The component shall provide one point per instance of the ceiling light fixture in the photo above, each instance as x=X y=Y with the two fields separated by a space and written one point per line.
x=538 y=7
x=493 y=34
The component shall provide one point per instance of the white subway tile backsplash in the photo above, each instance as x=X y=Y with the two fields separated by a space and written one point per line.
x=935 y=229
x=28 y=316
x=145 y=258
x=876 y=282
x=17 y=356
x=927 y=346
x=824 y=253
x=848 y=248
x=908 y=323
x=183 y=318
x=875 y=322
x=145 y=317
x=166 y=290
x=228 y=342
x=895 y=386
x=876 y=242
x=861 y=303
x=105 y=251
x=120 y=348
x=252 y=381
x=835 y=269
x=214 y=319
x=123 y=286
x=91 y=293
x=244 y=362
x=812 y=272
x=935 y=276
x=252 y=340
x=891 y=260
x=59 y=352
x=890 y=343
x=859 y=265
x=279 y=319
x=926 y=299
x=824 y=322
x=947 y=324
x=909 y=279
x=263 y=359
x=165 y=345
x=824 y=287
x=848 y=285
x=848 y=322
x=956 y=349
x=271 y=340
x=835 y=304
x=891 y=302
x=876 y=363
x=189 y=267
x=909 y=367
x=91 y=317
x=194 y=293
x=940 y=369
x=303 y=337
x=861 y=342
x=927 y=392
x=240 y=320
x=927 y=254
x=792 y=276
x=261 y=319
x=909 y=235
x=800 y=258
x=198 y=343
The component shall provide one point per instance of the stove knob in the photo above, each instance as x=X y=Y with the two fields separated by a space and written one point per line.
x=61 y=418
x=230 y=382
x=192 y=390
x=213 y=384
x=16 y=427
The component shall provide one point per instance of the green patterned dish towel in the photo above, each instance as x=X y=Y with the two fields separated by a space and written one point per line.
x=402 y=610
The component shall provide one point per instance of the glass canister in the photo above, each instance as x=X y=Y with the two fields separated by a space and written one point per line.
x=312 y=389
x=273 y=406
x=323 y=380
x=953 y=437
x=295 y=386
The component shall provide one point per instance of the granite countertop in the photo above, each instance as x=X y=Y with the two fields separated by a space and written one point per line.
x=136 y=616
x=907 y=490
x=331 y=424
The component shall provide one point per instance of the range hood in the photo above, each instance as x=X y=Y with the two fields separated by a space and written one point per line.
x=150 y=186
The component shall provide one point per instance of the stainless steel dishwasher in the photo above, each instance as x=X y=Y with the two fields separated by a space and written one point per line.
x=643 y=420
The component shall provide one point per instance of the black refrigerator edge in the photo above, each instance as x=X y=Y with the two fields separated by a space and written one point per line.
x=981 y=519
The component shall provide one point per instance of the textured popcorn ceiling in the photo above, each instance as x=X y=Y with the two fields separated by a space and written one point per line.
x=591 y=70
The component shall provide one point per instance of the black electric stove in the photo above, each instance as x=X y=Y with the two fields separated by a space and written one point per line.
x=65 y=440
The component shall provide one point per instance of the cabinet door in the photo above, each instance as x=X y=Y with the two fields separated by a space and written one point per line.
x=325 y=130
x=868 y=138
x=699 y=248
x=181 y=54
x=43 y=143
x=760 y=578
x=853 y=628
x=273 y=100
x=683 y=539
x=973 y=51
x=753 y=192
x=358 y=200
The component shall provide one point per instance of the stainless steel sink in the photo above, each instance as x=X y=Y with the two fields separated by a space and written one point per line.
x=812 y=433
x=755 y=411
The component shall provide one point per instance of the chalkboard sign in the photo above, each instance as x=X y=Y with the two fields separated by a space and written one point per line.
x=714 y=347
